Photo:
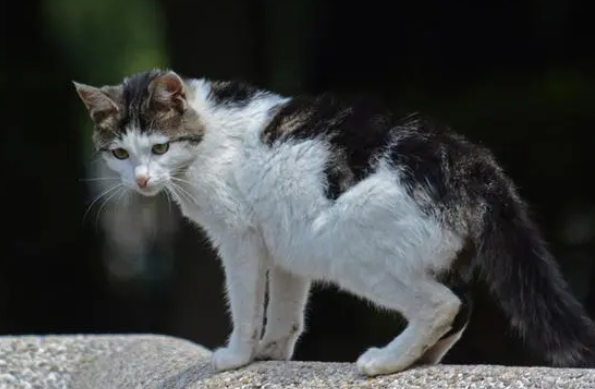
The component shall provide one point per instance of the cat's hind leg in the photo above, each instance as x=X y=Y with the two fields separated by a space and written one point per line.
x=435 y=353
x=430 y=309
x=288 y=295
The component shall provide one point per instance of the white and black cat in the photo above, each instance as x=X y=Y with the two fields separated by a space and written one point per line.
x=396 y=210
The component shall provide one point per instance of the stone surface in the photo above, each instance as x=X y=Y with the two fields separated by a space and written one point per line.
x=53 y=362
x=159 y=362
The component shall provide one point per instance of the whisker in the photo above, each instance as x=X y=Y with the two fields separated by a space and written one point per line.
x=95 y=158
x=179 y=169
x=180 y=190
x=125 y=198
x=183 y=181
x=105 y=202
x=120 y=197
x=172 y=187
x=168 y=198
x=104 y=193
x=188 y=194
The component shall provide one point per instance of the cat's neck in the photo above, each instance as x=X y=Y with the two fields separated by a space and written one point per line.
x=229 y=129
x=227 y=120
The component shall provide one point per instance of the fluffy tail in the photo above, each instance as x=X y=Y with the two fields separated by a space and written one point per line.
x=525 y=279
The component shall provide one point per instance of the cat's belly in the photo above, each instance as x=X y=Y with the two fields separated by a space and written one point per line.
x=373 y=225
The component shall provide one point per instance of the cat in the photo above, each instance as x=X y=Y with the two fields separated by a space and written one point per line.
x=395 y=209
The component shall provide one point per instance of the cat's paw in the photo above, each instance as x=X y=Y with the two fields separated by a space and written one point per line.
x=228 y=359
x=378 y=361
x=275 y=350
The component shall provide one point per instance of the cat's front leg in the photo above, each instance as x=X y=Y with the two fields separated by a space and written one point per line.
x=243 y=259
x=288 y=295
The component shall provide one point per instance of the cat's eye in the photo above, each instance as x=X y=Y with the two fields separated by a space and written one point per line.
x=120 y=153
x=160 y=148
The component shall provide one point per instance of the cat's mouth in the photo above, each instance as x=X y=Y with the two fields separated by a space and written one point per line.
x=148 y=191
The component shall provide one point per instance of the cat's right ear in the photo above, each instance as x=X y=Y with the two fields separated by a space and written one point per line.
x=102 y=107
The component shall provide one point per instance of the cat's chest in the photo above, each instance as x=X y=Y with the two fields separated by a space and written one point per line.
x=285 y=189
x=286 y=183
x=212 y=202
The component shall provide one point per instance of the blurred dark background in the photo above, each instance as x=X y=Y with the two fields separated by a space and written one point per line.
x=517 y=76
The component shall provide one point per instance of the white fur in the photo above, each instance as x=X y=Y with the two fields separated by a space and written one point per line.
x=264 y=209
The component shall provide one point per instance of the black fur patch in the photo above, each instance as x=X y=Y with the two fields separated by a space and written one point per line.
x=232 y=93
x=135 y=98
x=464 y=314
x=422 y=156
x=459 y=280
x=357 y=133
x=192 y=139
x=439 y=168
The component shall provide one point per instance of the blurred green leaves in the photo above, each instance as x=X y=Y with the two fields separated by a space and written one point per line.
x=108 y=39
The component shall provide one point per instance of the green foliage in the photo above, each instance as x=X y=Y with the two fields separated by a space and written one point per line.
x=110 y=38
x=106 y=40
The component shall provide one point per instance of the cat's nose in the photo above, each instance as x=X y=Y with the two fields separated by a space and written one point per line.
x=142 y=181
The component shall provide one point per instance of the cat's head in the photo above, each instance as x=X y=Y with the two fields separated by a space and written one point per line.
x=144 y=128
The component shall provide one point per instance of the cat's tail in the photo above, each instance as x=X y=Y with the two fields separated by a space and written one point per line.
x=523 y=275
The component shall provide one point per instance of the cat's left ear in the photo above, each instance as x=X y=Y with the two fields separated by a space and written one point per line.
x=101 y=103
x=170 y=91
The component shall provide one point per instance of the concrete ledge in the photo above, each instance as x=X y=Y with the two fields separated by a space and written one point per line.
x=160 y=362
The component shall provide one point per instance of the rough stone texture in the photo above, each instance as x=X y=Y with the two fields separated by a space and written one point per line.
x=158 y=362
x=53 y=362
